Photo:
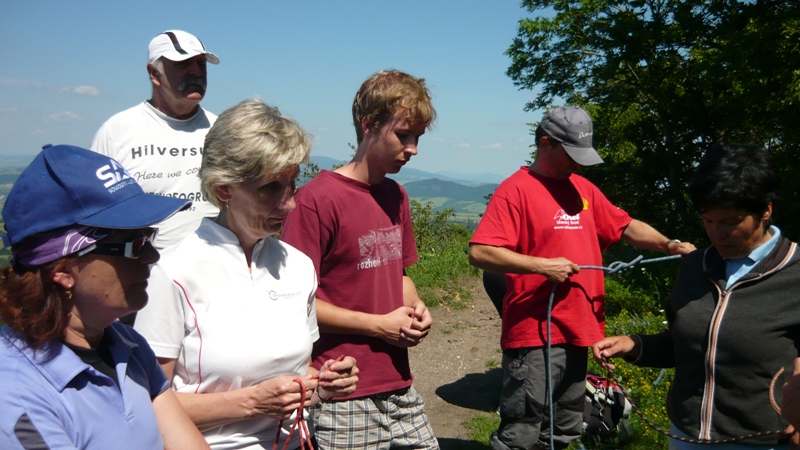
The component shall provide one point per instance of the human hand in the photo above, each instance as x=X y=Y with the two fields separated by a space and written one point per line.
x=421 y=322
x=280 y=396
x=337 y=378
x=389 y=326
x=790 y=405
x=558 y=270
x=680 y=248
x=611 y=347
x=794 y=441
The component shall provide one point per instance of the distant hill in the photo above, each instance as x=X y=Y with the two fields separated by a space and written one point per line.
x=482 y=178
x=464 y=193
x=434 y=187
x=409 y=174
x=15 y=161
x=9 y=177
x=325 y=162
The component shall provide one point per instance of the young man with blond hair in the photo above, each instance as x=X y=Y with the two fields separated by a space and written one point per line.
x=355 y=224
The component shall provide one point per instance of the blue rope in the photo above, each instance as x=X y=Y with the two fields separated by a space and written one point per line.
x=613 y=268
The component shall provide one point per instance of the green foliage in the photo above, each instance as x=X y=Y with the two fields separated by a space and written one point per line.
x=5 y=252
x=664 y=80
x=480 y=427
x=646 y=287
x=443 y=256
x=5 y=257
x=307 y=173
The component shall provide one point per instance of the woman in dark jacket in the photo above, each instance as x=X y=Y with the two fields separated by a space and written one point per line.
x=729 y=331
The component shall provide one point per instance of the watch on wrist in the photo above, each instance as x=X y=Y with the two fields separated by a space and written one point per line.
x=671 y=241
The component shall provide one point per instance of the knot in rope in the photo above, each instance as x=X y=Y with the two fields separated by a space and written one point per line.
x=299 y=424
x=621 y=266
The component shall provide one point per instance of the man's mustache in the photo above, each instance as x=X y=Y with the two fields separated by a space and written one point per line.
x=192 y=81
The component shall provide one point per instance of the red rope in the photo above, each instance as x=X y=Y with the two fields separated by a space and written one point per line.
x=298 y=424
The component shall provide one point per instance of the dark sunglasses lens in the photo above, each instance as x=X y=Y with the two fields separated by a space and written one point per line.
x=140 y=244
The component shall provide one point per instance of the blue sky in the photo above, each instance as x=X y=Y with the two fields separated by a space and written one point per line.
x=68 y=66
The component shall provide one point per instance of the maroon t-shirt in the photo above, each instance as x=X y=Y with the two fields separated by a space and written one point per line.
x=360 y=238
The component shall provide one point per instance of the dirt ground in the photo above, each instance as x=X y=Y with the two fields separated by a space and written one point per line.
x=457 y=368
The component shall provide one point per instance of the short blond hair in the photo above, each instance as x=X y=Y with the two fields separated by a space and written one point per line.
x=387 y=91
x=250 y=140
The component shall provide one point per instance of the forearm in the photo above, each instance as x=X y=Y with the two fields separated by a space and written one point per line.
x=642 y=235
x=410 y=295
x=177 y=429
x=212 y=410
x=333 y=319
x=503 y=260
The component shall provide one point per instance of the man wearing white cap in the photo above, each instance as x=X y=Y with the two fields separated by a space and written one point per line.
x=540 y=225
x=160 y=141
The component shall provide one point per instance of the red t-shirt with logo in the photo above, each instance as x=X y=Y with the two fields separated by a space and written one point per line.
x=539 y=216
x=360 y=238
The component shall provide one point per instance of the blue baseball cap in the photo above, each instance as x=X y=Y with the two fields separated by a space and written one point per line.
x=66 y=186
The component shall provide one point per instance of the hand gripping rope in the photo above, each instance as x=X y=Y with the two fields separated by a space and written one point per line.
x=299 y=424
x=618 y=267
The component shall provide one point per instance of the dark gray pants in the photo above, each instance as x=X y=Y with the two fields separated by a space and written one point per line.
x=524 y=413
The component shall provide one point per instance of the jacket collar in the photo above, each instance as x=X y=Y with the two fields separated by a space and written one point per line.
x=783 y=255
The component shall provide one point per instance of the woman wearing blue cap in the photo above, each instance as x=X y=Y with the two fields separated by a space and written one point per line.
x=70 y=375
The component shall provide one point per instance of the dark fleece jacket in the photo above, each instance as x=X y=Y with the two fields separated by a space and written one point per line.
x=727 y=345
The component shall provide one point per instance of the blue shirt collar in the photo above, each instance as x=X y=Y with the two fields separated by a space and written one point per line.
x=55 y=361
x=736 y=268
x=759 y=253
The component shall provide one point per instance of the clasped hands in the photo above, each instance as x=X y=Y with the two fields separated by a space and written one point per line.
x=280 y=396
x=406 y=326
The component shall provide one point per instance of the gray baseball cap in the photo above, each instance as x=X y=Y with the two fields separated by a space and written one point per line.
x=572 y=126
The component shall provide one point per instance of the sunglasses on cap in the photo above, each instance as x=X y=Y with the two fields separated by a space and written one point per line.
x=132 y=249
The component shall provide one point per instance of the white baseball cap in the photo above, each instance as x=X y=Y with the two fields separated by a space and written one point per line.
x=177 y=45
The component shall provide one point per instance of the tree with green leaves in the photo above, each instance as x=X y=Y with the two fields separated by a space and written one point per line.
x=664 y=80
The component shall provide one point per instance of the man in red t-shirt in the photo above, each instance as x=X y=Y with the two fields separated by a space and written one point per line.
x=540 y=225
x=355 y=225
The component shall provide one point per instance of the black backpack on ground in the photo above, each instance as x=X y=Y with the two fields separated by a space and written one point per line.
x=606 y=409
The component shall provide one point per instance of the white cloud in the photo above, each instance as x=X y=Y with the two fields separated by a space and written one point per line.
x=463 y=145
x=324 y=130
x=86 y=90
x=79 y=90
x=63 y=116
x=10 y=82
x=495 y=146
x=11 y=110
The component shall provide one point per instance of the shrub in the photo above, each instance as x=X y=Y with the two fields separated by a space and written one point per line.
x=443 y=256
